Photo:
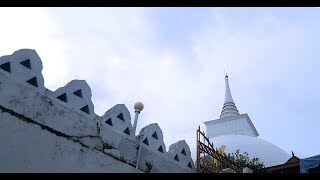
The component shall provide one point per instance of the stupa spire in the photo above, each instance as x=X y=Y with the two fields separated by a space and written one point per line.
x=229 y=107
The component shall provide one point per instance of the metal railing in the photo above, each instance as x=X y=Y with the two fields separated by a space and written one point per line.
x=205 y=149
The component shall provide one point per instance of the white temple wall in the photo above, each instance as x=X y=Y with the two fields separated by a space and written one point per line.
x=24 y=66
x=118 y=119
x=151 y=136
x=155 y=162
x=46 y=131
x=26 y=147
x=24 y=100
x=236 y=127
x=180 y=152
x=77 y=94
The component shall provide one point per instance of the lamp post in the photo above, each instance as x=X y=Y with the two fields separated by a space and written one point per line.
x=138 y=106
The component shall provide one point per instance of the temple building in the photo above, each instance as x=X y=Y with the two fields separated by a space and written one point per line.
x=237 y=131
x=296 y=165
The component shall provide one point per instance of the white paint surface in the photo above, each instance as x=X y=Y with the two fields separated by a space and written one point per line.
x=20 y=72
x=40 y=133
x=28 y=148
x=75 y=101
x=182 y=151
x=153 y=135
x=267 y=152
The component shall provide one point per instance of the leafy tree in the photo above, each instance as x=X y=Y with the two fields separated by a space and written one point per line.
x=243 y=160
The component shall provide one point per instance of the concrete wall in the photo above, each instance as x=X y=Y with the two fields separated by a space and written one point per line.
x=27 y=147
x=46 y=131
x=156 y=162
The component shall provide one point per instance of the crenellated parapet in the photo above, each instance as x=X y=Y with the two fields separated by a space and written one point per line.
x=180 y=152
x=115 y=126
x=118 y=119
x=25 y=66
x=152 y=137
x=68 y=112
x=77 y=95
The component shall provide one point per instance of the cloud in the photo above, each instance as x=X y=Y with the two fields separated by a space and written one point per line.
x=125 y=63
x=267 y=58
x=31 y=28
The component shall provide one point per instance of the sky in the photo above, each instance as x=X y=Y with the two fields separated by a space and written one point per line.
x=173 y=60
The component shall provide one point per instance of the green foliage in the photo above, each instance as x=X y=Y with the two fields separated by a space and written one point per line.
x=244 y=160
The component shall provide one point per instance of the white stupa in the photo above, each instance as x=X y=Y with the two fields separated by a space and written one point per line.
x=236 y=131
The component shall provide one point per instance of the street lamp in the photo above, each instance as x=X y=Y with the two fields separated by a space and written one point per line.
x=138 y=106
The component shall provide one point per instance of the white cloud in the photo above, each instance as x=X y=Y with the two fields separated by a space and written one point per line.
x=124 y=60
x=32 y=29
x=266 y=61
